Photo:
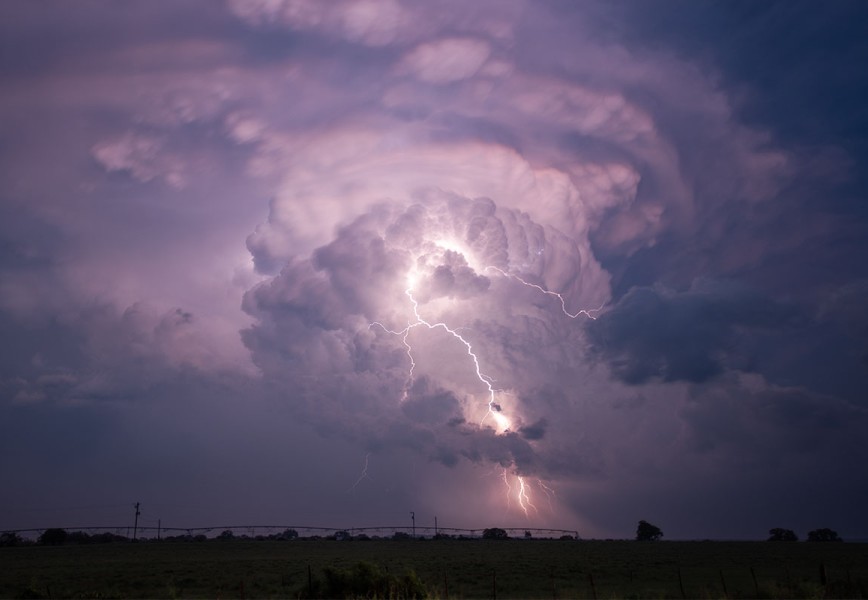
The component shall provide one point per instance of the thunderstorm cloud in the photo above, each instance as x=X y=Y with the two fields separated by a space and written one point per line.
x=333 y=261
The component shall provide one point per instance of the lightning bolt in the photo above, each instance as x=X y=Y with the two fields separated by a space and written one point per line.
x=524 y=496
x=493 y=408
x=521 y=495
x=364 y=474
x=522 y=492
x=585 y=311
x=549 y=492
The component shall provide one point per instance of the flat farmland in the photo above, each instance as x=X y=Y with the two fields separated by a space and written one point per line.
x=445 y=569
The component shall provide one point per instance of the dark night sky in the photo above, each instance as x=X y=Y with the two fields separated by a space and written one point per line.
x=535 y=264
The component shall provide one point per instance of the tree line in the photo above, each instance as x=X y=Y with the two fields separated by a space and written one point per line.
x=646 y=532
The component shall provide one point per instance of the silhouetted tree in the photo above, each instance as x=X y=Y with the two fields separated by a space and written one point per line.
x=286 y=534
x=646 y=532
x=494 y=533
x=226 y=535
x=782 y=535
x=824 y=535
x=10 y=538
x=53 y=537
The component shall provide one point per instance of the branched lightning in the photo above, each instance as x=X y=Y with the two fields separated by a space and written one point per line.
x=505 y=478
x=363 y=476
x=493 y=408
x=585 y=311
x=549 y=492
x=524 y=496
x=521 y=492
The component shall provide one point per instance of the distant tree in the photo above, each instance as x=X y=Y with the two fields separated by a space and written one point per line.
x=10 y=538
x=226 y=535
x=53 y=537
x=77 y=537
x=646 y=532
x=105 y=538
x=527 y=535
x=782 y=535
x=495 y=533
x=286 y=534
x=566 y=537
x=401 y=535
x=824 y=535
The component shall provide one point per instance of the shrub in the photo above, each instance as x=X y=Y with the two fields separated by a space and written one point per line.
x=495 y=533
x=10 y=538
x=824 y=535
x=53 y=537
x=365 y=580
x=779 y=534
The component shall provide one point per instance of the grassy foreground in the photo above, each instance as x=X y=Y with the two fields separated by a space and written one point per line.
x=445 y=568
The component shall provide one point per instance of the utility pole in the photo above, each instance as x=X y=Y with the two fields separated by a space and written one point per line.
x=136 y=523
x=159 y=526
x=413 y=517
x=435 y=526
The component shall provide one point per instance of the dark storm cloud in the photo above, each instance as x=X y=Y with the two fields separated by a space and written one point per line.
x=534 y=431
x=174 y=175
x=689 y=336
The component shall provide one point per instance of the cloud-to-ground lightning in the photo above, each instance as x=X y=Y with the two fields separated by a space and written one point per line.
x=363 y=476
x=522 y=492
x=523 y=496
x=493 y=408
x=548 y=491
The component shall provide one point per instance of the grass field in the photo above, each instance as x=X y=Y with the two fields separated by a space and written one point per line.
x=446 y=568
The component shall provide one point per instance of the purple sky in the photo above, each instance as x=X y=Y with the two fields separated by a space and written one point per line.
x=247 y=248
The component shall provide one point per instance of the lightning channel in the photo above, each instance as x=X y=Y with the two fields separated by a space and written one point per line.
x=523 y=496
x=521 y=490
x=548 y=491
x=494 y=409
x=585 y=311
x=363 y=476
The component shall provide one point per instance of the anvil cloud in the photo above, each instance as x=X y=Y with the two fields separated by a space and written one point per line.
x=229 y=232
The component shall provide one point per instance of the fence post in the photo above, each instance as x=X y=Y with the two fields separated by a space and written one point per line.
x=593 y=586
x=309 y=583
x=681 y=584
x=723 y=583
x=494 y=585
x=755 y=584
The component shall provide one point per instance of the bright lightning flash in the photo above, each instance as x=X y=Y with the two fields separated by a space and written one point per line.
x=521 y=494
x=503 y=424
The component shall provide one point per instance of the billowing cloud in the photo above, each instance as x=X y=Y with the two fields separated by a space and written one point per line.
x=524 y=259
